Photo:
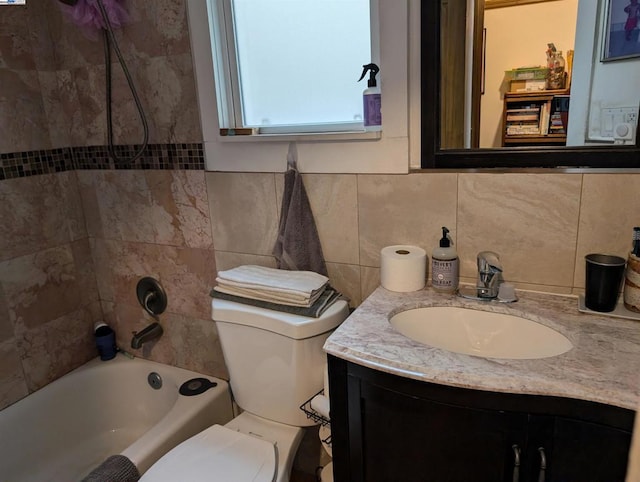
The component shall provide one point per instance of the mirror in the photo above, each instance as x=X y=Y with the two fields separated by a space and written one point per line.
x=448 y=112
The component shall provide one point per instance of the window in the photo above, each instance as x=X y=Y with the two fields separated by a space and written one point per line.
x=321 y=152
x=290 y=65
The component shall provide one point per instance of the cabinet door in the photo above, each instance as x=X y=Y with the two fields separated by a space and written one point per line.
x=406 y=438
x=586 y=452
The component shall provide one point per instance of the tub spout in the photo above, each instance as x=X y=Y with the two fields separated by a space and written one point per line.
x=151 y=332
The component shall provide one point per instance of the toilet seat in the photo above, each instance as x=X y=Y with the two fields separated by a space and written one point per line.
x=217 y=453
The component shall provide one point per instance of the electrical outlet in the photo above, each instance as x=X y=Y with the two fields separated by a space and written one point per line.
x=612 y=116
x=603 y=120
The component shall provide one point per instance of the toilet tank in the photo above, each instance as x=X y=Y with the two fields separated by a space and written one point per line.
x=275 y=359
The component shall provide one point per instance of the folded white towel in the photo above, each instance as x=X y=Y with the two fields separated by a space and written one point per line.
x=304 y=283
x=262 y=296
x=275 y=292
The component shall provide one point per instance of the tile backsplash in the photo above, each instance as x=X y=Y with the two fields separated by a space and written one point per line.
x=541 y=225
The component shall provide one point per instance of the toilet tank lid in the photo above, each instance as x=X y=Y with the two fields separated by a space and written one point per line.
x=286 y=324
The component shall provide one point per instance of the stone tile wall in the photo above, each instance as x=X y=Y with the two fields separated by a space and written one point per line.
x=48 y=293
x=155 y=223
x=57 y=269
x=53 y=78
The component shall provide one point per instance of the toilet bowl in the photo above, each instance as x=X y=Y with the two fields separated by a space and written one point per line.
x=275 y=362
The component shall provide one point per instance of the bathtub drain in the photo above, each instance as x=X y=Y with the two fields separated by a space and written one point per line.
x=155 y=380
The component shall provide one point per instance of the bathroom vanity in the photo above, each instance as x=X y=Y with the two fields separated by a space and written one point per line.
x=404 y=410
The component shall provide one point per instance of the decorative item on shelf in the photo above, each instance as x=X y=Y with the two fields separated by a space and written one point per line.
x=555 y=68
x=569 y=69
x=527 y=79
x=631 y=293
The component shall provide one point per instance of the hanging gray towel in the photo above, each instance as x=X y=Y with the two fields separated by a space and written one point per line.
x=298 y=245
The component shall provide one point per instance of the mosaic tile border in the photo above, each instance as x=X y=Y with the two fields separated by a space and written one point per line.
x=155 y=156
x=32 y=163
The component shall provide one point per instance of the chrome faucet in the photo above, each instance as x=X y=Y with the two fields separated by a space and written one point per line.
x=489 y=274
x=151 y=332
x=490 y=285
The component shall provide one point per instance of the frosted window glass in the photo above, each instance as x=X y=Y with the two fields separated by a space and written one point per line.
x=299 y=60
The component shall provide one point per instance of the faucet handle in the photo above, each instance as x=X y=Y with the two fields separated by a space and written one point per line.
x=489 y=262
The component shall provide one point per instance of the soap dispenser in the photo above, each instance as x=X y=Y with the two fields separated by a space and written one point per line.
x=371 y=99
x=444 y=265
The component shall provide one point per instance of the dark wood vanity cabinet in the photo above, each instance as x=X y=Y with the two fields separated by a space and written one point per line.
x=390 y=428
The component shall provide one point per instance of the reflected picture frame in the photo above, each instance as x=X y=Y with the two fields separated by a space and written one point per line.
x=621 y=30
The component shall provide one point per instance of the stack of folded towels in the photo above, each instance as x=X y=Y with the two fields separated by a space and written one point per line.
x=298 y=292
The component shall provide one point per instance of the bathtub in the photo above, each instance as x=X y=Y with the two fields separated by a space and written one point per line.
x=64 y=430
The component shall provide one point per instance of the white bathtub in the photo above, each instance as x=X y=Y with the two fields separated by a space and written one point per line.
x=64 y=430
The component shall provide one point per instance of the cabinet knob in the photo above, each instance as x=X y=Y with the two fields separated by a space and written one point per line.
x=543 y=464
x=516 y=462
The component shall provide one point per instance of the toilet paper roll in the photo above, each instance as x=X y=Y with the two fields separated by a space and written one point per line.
x=320 y=404
x=326 y=380
x=325 y=434
x=327 y=473
x=403 y=268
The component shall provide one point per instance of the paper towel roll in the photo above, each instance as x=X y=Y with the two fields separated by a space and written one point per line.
x=403 y=268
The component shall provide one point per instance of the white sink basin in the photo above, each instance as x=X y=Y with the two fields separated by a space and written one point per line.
x=480 y=333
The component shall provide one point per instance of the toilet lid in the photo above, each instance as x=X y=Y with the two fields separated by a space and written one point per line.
x=217 y=453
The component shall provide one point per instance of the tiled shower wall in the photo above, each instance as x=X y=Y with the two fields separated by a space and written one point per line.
x=48 y=294
x=53 y=78
x=74 y=243
x=62 y=267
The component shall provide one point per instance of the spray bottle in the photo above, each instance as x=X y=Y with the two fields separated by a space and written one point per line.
x=444 y=265
x=371 y=99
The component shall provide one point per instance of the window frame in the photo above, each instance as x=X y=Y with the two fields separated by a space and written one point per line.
x=360 y=152
x=226 y=71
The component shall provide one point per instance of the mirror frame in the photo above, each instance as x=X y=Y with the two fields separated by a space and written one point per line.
x=432 y=157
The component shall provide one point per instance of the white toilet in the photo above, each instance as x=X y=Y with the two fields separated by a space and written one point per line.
x=275 y=363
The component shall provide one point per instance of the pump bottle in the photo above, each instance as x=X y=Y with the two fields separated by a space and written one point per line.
x=371 y=99
x=445 y=265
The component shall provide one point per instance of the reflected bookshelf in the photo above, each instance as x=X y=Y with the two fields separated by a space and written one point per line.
x=535 y=118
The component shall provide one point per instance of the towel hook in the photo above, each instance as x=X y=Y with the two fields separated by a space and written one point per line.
x=292 y=157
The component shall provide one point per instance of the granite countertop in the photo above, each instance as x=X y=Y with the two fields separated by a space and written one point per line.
x=603 y=365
